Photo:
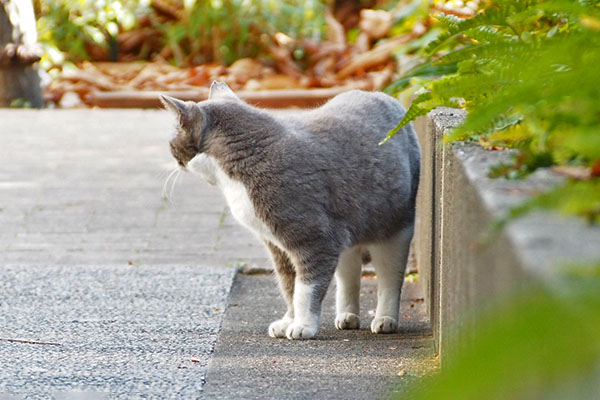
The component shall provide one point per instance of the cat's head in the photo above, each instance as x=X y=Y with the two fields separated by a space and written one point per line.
x=193 y=122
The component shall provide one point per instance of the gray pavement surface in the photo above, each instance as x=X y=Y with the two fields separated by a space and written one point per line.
x=248 y=364
x=85 y=187
x=127 y=331
x=133 y=288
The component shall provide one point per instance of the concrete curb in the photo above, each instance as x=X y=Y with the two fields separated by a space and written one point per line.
x=456 y=203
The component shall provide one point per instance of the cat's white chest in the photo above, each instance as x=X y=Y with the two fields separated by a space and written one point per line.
x=235 y=193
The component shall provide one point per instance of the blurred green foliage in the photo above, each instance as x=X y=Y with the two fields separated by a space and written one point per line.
x=541 y=344
x=227 y=30
x=67 y=27
x=195 y=31
x=527 y=72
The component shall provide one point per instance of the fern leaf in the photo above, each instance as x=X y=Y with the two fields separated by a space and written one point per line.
x=413 y=112
x=491 y=16
x=421 y=105
x=423 y=70
x=489 y=35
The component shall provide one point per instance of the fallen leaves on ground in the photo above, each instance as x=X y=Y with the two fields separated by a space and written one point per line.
x=367 y=64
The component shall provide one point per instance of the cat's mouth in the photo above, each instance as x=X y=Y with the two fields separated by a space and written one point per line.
x=182 y=153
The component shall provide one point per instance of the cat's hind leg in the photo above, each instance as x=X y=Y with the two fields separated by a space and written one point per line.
x=347 y=277
x=286 y=275
x=313 y=276
x=389 y=259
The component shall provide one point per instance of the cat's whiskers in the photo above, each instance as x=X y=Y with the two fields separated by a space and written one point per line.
x=165 y=192
x=163 y=172
x=174 y=181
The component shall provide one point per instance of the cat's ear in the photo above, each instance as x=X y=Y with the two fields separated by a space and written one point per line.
x=220 y=90
x=188 y=114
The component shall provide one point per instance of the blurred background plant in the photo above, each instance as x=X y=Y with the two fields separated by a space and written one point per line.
x=250 y=44
x=189 y=32
x=74 y=30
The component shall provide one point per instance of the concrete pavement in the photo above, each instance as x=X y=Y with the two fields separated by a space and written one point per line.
x=110 y=331
x=247 y=364
x=84 y=187
x=134 y=288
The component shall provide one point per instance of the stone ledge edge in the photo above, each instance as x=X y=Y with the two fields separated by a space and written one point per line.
x=544 y=241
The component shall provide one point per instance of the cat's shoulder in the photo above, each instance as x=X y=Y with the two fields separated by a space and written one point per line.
x=361 y=98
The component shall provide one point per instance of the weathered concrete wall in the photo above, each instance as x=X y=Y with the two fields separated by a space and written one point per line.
x=462 y=267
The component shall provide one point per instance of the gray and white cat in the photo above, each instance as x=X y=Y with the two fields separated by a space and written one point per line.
x=317 y=189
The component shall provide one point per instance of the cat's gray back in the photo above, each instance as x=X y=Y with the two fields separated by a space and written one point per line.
x=327 y=175
x=350 y=129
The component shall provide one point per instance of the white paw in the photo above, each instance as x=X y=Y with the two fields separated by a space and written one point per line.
x=384 y=325
x=277 y=328
x=300 y=331
x=347 y=321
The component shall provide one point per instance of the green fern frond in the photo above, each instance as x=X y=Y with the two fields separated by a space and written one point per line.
x=451 y=21
x=492 y=16
x=415 y=110
x=489 y=35
x=426 y=69
x=421 y=105
x=507 y=52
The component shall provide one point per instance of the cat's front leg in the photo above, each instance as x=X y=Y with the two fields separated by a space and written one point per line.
x=286 y=275
x=312 y=281
x=278 y=328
